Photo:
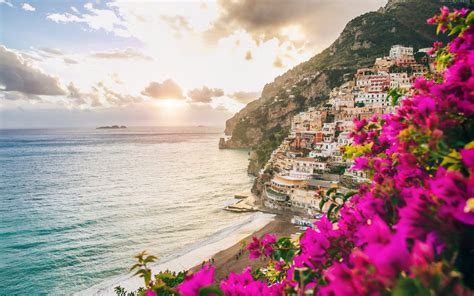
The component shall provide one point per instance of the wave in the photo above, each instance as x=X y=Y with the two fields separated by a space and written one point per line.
x=188 y=257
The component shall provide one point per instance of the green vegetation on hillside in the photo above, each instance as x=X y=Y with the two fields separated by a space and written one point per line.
x=264 y=150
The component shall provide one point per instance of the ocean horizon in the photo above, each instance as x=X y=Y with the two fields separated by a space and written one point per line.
x=77 y=204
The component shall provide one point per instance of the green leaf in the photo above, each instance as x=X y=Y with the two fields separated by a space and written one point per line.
x=438 y=29
x=331 y=208
x=409 y=287
x=211 y=290
x=303 y=276
x=349 y=195
x=330 y=190
x=452 y=161
x=135 y=266
x=470 y=18
x=140 y=255
x=321 y=204
x=257 y=273
x=283 y=240
x=140 y=272
x=456 y=30
x=150 y=258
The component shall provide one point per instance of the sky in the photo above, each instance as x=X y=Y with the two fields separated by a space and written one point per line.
x=153 y=63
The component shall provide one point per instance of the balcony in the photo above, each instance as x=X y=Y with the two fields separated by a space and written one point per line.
x=276 y=196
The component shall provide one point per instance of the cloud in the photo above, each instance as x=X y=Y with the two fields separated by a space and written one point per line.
x=95 y=19
x=94 y=97
x=258 y=18
x=30 y=57
x=204 y=94
x=28 y=7
x=178 y=24
x=117 y=99
x=300 y=22
x=166 y=90
x=248 y=56
x=128 y=53
x=78 y=97
x=245 y=97
x=16 y=74
x=278 y=63
x=6 y=2
x=52 y=53
x=70 y=61
x=15 y=95
x=221 y=108
x=100 y=95
x=116 y=78
x=49 y=52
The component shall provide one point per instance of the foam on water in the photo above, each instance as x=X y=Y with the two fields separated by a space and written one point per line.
x=189 y=256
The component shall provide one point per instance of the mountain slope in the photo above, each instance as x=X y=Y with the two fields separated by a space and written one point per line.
x=262 y=123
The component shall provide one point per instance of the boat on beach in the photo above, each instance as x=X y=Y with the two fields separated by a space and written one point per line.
x=297 y=220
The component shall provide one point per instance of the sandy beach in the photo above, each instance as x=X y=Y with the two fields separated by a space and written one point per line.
x=225 y=261
x=222 y=247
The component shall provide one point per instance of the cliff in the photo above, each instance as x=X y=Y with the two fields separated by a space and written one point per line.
x=262 y=122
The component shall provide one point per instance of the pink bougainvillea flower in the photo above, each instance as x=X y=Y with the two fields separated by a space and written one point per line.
x=422 y=253
x=468 y=157
x=244 y=284
x=376 y=231
x=361 y=163
x=465 y=211
x=279 y=265
x=390 y=259
x=258 y=247
x=254 y=248
x=192 y=285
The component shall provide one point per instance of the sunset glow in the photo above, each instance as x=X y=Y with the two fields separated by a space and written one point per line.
x=236 y=147
x=169 y=104
x=107 y=57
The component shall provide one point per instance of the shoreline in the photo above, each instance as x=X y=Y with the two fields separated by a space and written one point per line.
x=232 y=260
x=221 y=246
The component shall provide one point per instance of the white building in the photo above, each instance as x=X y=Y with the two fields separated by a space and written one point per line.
x=324 y=149
x=306 y=167
x=344 y=139
x=374 y=82
x=340 y=103
x=304 y=199
x=400 y=80
x=309 y=120
x=400 y=51
x=373 y=99
x=281 y=187
x=360 y=176
x=329 y=128
x=344 y=125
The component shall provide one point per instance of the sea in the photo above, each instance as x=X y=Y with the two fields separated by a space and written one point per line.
x=77 y=204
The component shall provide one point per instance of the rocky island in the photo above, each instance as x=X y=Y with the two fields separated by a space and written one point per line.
x=111 y=127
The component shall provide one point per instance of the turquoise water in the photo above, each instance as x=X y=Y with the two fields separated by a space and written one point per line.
x=76 y=205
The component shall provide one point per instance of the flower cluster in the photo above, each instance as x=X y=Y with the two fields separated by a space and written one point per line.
x=244 y=284
x=411 y=230
x=194 y=283
x=447 y=20
x=264 y=247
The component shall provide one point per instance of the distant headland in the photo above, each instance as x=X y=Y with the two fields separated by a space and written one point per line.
x=111 y=127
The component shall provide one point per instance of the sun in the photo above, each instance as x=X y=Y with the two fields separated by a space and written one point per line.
x=170 y=103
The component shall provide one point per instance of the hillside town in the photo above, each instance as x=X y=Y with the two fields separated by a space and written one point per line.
x=310 y=160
